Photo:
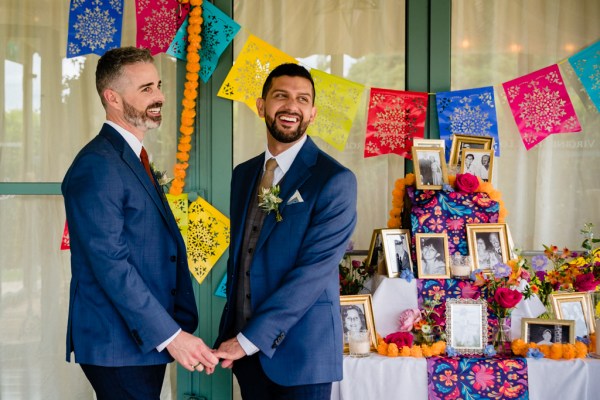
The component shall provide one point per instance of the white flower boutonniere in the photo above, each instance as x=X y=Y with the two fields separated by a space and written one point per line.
x=269 y=201
x=161 y=177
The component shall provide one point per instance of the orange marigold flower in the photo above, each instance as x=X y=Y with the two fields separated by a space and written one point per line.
x=416 y=351
x=184 y=147
x=580 y=350
x=392 y=350
x=556 y=351
x=519 y=347
x=405 y=352
x=187 y=103
x=186 y=130
x=568 y=351
x=545 y=350
x=382 y=348
x=190 y=94
x=180 y=173
x=427 y=352
x=182 y=156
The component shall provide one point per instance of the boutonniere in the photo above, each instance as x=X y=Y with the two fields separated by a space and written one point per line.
x=269 y=201
x=161 y=176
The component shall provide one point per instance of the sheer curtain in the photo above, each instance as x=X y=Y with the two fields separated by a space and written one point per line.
x=553 y=189
x=49 y=110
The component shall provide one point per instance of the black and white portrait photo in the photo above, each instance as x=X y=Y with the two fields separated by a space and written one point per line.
x=467 y=326
x=547 y=331
x=432 y=253
x=353 y=318
x=477 y=162
x=430 y=167
x=400 y=259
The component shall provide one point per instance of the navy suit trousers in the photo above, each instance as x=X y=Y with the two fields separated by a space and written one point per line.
x=126 y=383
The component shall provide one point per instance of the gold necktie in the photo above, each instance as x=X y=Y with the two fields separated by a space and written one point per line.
x=267 y=179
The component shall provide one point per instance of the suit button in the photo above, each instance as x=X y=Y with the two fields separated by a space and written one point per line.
x=173 y=292
x=248 y=296
x=173 y=258
x=247 y=273
x=250 y=251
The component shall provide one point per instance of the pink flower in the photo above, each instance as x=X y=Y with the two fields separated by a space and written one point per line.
x=483 y=377
x=586 y=283
x=467 y=183
x=408 y=318
x=468 y=290
x=400 y=338
x=507 y=298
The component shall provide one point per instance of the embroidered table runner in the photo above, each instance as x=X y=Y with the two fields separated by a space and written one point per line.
x=450 y=378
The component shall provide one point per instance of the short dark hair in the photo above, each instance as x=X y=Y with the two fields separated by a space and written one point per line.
x=470 y=155
x=287 y=69
x=110 y=65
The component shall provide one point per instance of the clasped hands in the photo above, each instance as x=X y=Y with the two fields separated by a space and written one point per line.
x=194 y=355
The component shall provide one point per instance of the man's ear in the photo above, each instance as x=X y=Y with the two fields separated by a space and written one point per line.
x=111 y=97
x=260 y=107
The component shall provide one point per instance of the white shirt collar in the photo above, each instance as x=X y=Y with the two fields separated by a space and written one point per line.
x=284 y=160
x=129 y=137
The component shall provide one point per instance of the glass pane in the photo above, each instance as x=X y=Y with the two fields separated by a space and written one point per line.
x=551 y=190
x=362 y=41
x=49 y=107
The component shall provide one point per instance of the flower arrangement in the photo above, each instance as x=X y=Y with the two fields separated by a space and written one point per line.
x=555 y=351
x=502 y=285
x=269 y=200
x=465 y=183
x=190 y=93
x=353 y=274
x=572 y=270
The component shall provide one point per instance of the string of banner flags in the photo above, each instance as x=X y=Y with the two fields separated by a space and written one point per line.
x=538 y=101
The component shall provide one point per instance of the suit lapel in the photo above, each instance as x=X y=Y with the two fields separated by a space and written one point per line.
x=133 y=162
x=298 y=173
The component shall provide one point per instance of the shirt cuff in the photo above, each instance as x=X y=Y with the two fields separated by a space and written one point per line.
x=164 y=344
x=248 y=347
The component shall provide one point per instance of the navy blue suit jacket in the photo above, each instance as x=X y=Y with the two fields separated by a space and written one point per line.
x=130 y=286
x=294 y=278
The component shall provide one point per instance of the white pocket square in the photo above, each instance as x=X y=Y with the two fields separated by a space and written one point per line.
x=296 y=198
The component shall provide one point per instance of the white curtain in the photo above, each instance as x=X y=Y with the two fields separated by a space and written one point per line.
x=49 y=110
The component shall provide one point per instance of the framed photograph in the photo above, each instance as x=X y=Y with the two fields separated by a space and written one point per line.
x=466 y=325
x=488 y=244
x=376 y=256
x=547 y=331
x=574 y=306
x=460 y=142
x=397 y=251
x=419 y=142
x=430 y=167
x=357 y=314
x=478 y=162
x=433 y=260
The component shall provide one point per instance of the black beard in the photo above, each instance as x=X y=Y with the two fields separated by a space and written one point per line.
x=140 y=119
x=281 y=136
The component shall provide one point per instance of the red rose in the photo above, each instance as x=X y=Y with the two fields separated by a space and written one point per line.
x=586 y=283
x=400 y=338
x=507 y=298
x=467 y=183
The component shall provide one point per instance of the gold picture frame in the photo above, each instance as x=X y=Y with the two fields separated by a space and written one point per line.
x=361 y=306
x=483 y=241
x=376 y=256
x=467 y=325
x=459 y=142
x=420 y=142
x=574 y=306
x=396 y=244
x=431 y=171
x=477 y=166
x=429 y=248
x=547 y=331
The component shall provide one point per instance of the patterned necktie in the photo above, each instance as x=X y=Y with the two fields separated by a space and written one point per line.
x=267 y=179
x=146 y=164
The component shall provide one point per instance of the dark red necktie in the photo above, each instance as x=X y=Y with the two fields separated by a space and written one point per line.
x=146 y=164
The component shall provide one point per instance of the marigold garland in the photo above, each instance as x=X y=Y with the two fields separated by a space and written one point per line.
x=399 y=190
x=190 y=94
x=556 y=351
x=416 y=350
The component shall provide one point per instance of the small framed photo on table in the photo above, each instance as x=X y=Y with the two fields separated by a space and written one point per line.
x=397 y=251
x=547 y=331
x=467 y=142
x=466 y=325
x=430 y=167
x=433 y=260
x=478 y=162
x=488 y=245
x=574 y=306
x=376 y=256
x=357 y=315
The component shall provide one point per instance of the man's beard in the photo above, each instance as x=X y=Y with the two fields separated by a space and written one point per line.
x=140 y=119
x=282 y=137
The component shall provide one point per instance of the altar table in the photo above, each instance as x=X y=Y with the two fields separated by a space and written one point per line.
x=382 y=378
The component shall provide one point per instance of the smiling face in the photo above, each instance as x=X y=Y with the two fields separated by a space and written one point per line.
x=135 y=100
x=352 y=320
x=288 y=110
x=429 y=252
